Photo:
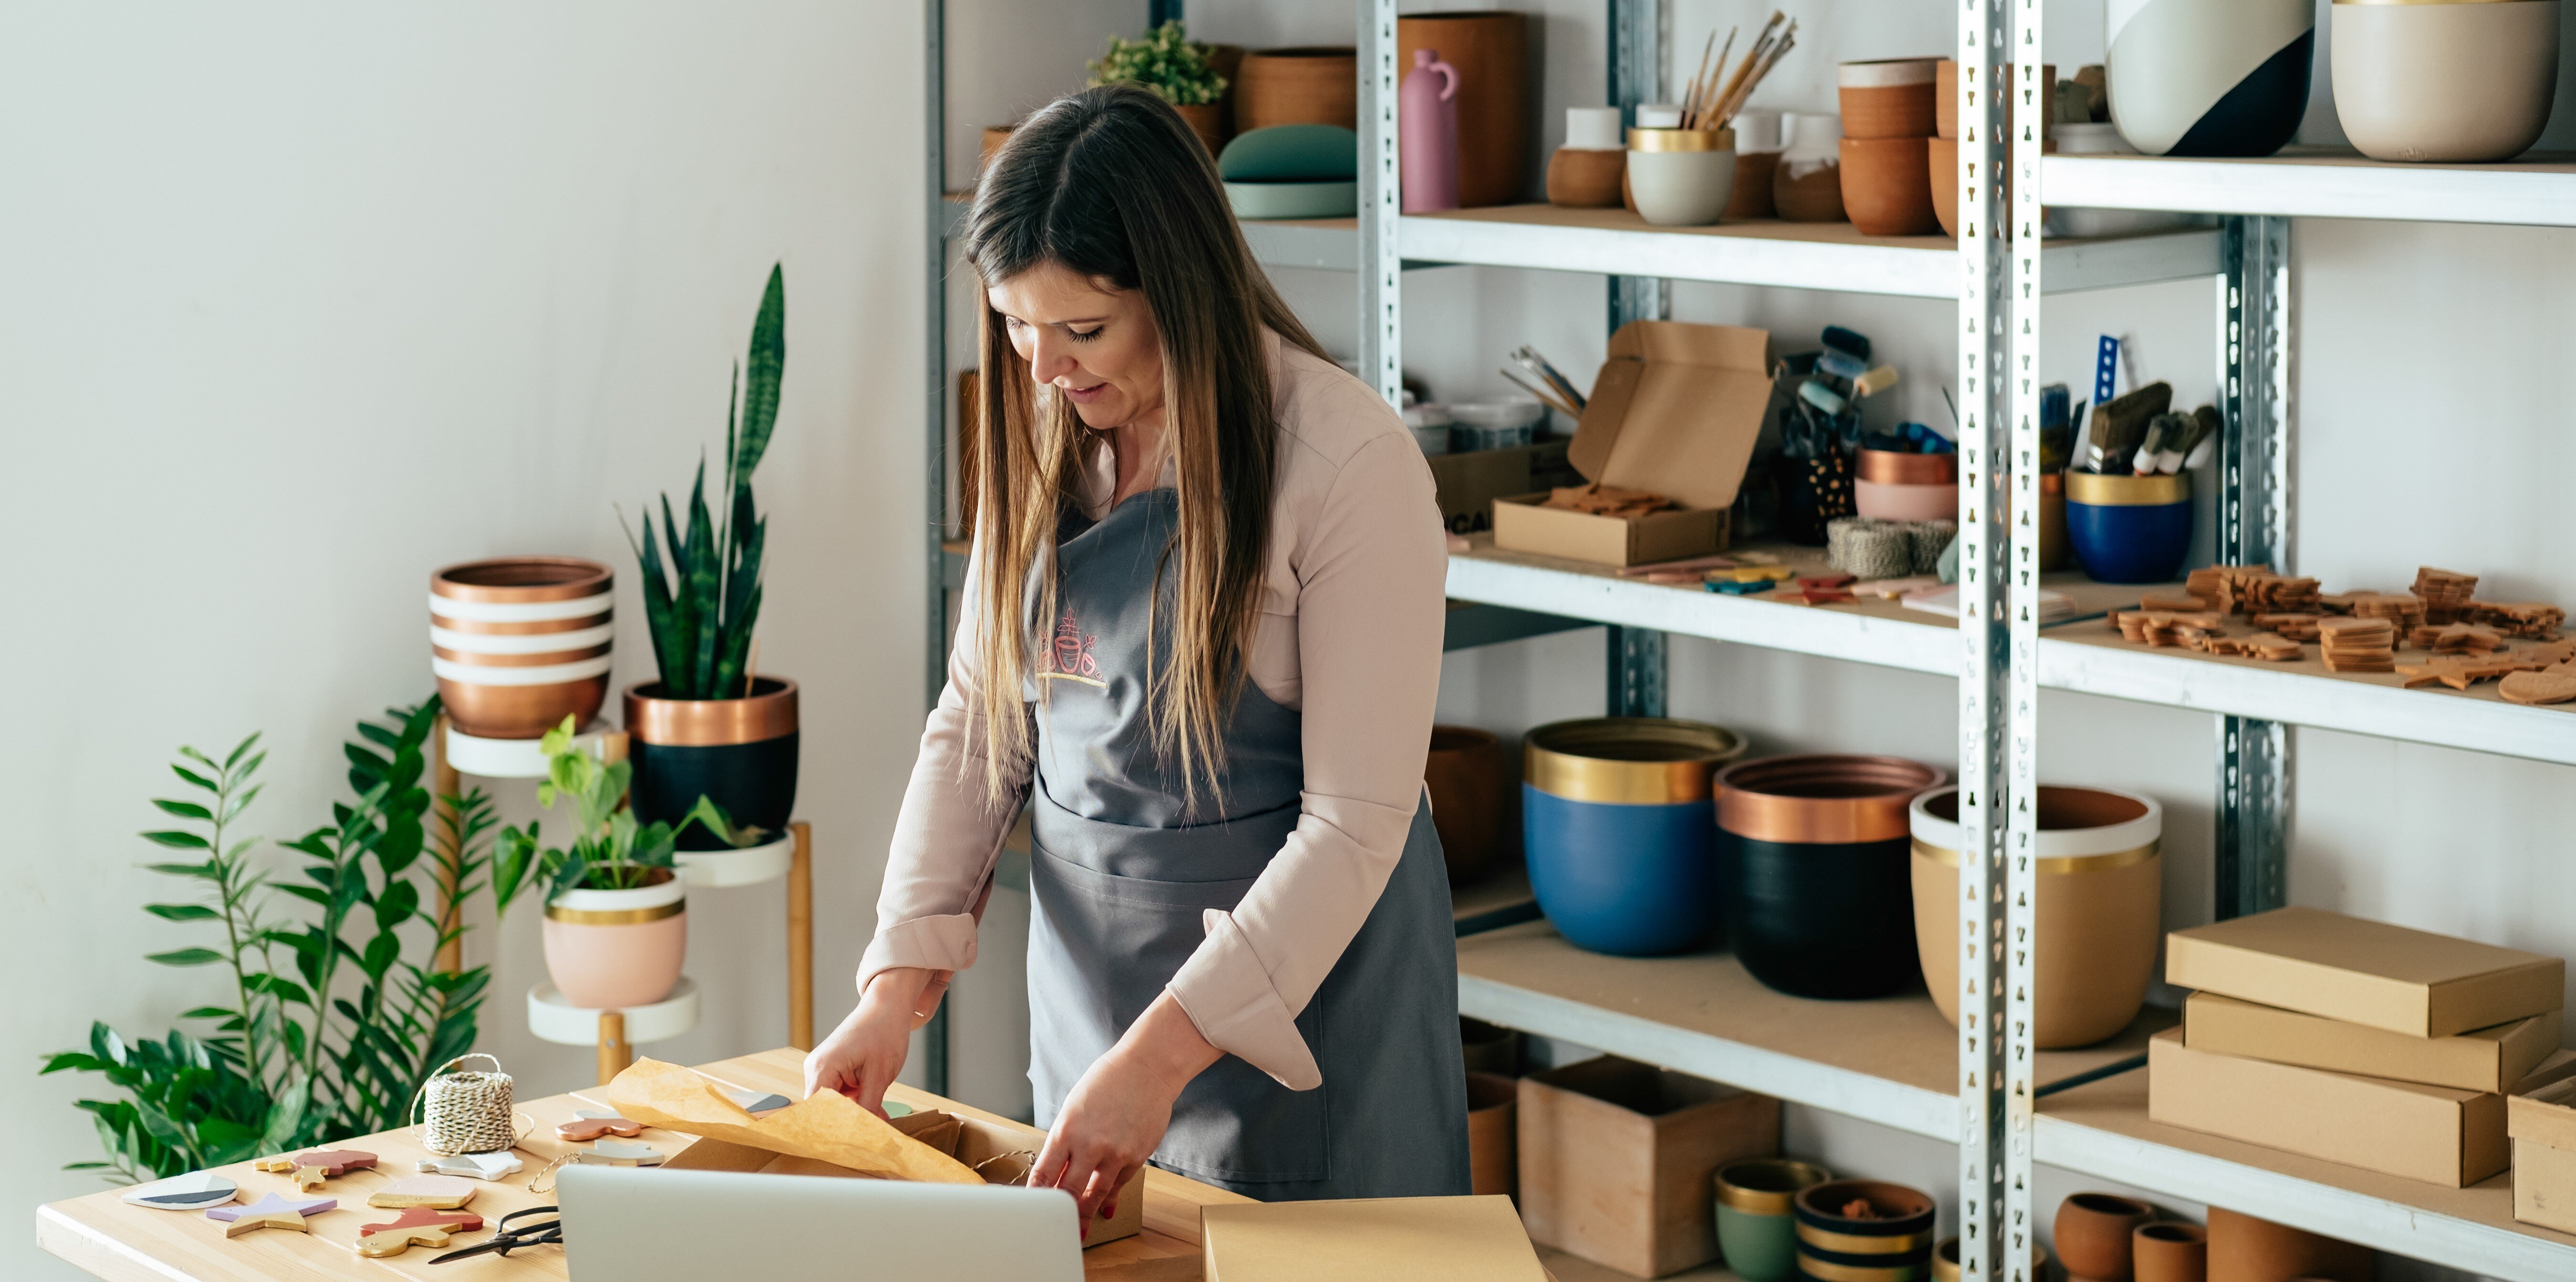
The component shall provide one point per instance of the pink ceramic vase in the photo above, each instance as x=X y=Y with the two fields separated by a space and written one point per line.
x=1427 y=116
x=617 y=949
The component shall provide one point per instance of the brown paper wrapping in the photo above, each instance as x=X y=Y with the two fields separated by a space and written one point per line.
x=829 y=1127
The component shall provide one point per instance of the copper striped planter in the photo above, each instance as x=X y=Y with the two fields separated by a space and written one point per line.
x=519 y=643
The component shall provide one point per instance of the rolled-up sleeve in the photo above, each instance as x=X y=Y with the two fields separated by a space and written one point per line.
x=1370 y=575
x=939 y=866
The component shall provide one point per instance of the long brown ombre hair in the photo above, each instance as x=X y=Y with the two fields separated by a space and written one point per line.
x=1111 y=185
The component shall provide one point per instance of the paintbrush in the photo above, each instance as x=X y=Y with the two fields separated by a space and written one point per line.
x=1549 y=397
x=1529 y=357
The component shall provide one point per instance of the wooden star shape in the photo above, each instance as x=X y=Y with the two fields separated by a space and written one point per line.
x=270 y=1212
x=417 y=1226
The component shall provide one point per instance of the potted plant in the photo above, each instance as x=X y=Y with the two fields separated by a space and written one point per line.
x=709 y=726
x=617 y=924
x=1178 y=70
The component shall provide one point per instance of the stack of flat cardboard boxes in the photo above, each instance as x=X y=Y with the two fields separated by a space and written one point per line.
x=2357 y=1041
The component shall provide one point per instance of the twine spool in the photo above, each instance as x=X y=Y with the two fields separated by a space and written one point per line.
x=1868 y=548
x=1927 y=540
x=465 y=1112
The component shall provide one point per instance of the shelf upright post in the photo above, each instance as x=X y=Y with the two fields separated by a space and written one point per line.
x=1993 y=1205
x=1636 y=658
x=1381 y=260
x=934 y=37
x=2031 y=93
x=2252 y=872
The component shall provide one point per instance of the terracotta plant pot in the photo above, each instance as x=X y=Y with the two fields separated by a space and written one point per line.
x=1888 y=97
x=2054 y=550
x=741 y=752
x=1490 y=49
x=1582 y=178
x=1489 y=1048
x=2189 y=78
x=1465 y=774
x=519 y=643
x=2170 y=1251
x=2245 y=1249
x=1807 y=186
x=1493 y=1127
x=617 y=949
x=2093 y=1234
x=1681 y=177
x=2444 y=81
x=2101 y=880
x=1945 y=99
x=1887 y=186
x=1894 y=1241
x=1306 y=86
x=1757 y=1226
x=1755 y=171
x=1941 y=167
x=1615 y=821
x=1819 y=900
x=1207 y=120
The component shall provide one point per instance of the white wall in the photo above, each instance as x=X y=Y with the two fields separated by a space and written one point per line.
x=299 y=301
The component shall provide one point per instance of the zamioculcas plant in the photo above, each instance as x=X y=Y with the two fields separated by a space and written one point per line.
x=702 y=609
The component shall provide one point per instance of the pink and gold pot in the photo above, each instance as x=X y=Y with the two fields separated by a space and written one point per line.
x=618 y=949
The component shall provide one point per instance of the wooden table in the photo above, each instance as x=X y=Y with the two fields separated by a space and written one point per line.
x=125 y=1243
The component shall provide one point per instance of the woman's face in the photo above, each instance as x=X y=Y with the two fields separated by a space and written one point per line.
x=1097 y=347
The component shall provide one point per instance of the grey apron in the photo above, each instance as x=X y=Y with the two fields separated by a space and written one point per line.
x=1120 y=876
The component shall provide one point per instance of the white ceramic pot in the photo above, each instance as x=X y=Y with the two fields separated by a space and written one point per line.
x=2209 y=77
x=617 y=949
x=1681 y=177
x=2444 y=81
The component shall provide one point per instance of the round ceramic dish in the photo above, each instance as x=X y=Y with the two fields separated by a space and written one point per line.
x=2129 y=529
x=1681 y=177
x=2099 y=897
x=1892 y=1244
x=1756 y=1227
x=1616 y=821
x=1820 y=903
x=2425 y=80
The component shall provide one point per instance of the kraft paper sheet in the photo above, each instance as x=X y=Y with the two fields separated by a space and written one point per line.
x=829 y=1127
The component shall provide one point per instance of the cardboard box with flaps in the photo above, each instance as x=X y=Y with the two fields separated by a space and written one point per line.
x=1675 y=411
x=2365 y=972
x=829 y=1134
x=1396 y=1239
x=2485 y=1059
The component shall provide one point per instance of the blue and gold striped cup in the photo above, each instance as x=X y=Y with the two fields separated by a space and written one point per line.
x=1621 y=830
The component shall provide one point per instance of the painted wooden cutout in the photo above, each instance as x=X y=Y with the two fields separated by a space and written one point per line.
x=439 y=1192
x=270 y=1212
x=584 y=1130
x=481 y=1166
x=189 y=1192
x=416 y=1226
x=594 y=1112
x=755 y=1103
x=336 y=1162
x=301 y=1205
x=616 y=1153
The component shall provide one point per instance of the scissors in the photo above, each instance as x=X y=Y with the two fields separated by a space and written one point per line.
x=512 y=1232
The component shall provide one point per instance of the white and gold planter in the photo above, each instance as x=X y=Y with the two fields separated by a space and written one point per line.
x=520 y=643
x=618 y=949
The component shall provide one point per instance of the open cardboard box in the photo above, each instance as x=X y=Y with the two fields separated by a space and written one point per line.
x=1675 y=411
x=1466 y=485
x=1001 y=1153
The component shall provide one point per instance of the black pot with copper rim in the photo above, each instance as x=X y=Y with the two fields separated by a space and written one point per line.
x=739 y=752
x=1822 y=900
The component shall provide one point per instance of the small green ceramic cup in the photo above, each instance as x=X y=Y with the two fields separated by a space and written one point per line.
x=1754 y=1225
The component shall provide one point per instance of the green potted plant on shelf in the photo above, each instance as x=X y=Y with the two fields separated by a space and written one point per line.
x=617 y=925
x=709 y=726
x=1178 y=70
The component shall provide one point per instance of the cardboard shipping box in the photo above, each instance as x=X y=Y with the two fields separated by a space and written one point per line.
x=2542 y=1123
x=2485 y=1059
x=2365 y=972
x=2435 y=1134
x=1674 y=411
x=1467 y=484
x=1397 y=1239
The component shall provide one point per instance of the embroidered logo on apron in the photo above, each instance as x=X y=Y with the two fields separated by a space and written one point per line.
x=1069 y=658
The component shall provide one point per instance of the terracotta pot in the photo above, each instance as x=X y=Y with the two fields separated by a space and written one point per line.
x=617 y=949
x=1819 y=899
x=2170 y=1251
x=2053 y=547
x=1304 y=86
x=1582 y=178
x=2444 y=82
x=1755 y=171
x=519 y=643
x=1207 y=120
x=1807 y=185
x=1894 y=1241
x=2093 y=1234
x=1945 y=99
x=1888 y=97
x=1469 y=794
x=1887 y=186
x=741 y=752
x=2100 y=895
x=1490 y=49
x=1941 y=166
x=1493 y=1125
x=1489 y=1048
x=2245 y=1249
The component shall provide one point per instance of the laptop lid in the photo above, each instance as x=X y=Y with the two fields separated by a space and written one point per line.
x=630 y=1224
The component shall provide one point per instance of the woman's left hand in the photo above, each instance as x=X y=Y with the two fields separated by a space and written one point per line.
x=1117 y=1113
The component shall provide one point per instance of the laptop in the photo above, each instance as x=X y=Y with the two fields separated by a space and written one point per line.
x=640 y=1224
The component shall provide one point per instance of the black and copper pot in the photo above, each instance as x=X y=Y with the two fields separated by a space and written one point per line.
x=1822 y=901
x=741 y=752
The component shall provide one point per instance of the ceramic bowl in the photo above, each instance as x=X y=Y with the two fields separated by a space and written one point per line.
x=1891 y=1244
x=1888 y=97
x=1819 y=901
x=1617 y=824
x=2169 y=1251
x=1941 y=169
x=1583 y=178
x=2129 y=529
x=1681 y=177
x=2093 y=1233
x=1757 y=1229
x=2444 y=82
x=1887 y=186
x=1945 y=99
x=2100 y=893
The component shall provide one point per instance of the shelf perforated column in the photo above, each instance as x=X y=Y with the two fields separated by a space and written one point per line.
x=2252 y=864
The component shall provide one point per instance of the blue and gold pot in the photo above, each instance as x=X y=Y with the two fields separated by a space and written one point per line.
x=1621 y=838
x=2129 y=529
x=1892 y=1243
x=1821 y=899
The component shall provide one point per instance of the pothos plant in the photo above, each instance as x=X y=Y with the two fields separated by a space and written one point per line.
x=609 y=850
x=335 y=1011
x=1177 y=69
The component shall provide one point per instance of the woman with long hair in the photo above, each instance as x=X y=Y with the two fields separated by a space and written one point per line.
x=1200 y=641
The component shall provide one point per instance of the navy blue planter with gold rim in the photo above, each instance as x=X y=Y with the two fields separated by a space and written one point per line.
x=1822 y=898
x=1618 y=825
x=1893 y=1243
x=2129 y=529
x=741 y=752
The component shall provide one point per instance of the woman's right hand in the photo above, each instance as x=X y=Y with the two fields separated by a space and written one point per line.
x=862 y=1056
